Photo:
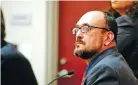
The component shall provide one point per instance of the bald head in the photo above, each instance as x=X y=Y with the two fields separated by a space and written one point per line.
x=99 y=19
x=94 y=18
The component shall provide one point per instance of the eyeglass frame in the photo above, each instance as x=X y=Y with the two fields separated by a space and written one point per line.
x=89 y=27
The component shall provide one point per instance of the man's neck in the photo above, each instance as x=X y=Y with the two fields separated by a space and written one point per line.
x=90 y=59
x=102 y=50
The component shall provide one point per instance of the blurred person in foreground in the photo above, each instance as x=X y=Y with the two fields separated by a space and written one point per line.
x=96 y=33
x=126 y=14
x=15 y=68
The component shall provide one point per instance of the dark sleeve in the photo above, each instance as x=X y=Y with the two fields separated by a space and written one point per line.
x=125 y=33
x=103 y=76
x=17 y=71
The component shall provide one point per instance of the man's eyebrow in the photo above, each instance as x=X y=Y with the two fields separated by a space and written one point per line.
x=81 y=25
x=85 y=24
x=77 y=26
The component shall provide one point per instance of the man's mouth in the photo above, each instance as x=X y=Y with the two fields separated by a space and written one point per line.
x=76 y=43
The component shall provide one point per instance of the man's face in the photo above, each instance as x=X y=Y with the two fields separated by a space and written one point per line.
x=90 y=43
x=121 y=5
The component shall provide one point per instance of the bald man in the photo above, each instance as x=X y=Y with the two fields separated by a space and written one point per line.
x=96 y=34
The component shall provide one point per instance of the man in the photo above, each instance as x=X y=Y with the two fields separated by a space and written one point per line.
x=15 y=68
x=127 y=38
x=96 y=34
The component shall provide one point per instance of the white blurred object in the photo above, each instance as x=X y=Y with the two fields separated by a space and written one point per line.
x=26 y=49
x=64 y=72
x=63 y=61
x=21 y=19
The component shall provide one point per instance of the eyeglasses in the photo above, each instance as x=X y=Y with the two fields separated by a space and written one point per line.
x=85 y=28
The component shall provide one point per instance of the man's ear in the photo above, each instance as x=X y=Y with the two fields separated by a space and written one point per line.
x=109 y=38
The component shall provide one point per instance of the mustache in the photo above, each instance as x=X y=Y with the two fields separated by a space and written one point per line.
x=79 y=41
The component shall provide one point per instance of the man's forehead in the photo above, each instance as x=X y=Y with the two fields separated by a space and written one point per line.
x=92 y=18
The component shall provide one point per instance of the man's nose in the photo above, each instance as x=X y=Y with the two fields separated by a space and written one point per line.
x=79 y=34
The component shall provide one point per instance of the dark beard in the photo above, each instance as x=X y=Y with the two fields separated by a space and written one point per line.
x=85 y=54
